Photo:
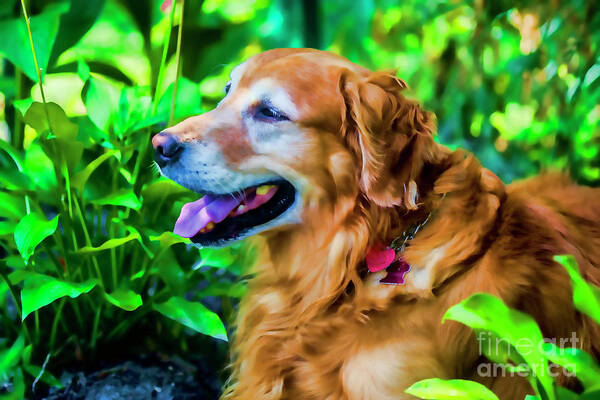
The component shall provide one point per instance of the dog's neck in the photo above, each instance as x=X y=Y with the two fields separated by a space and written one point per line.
x=324 y=265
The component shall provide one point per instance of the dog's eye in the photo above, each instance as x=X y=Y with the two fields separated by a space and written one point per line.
x=270 y=114
x=227 y=87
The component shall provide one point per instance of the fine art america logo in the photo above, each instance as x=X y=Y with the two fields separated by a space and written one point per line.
x=527 y=350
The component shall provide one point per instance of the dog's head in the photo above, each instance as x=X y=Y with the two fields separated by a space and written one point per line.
x=299 y=131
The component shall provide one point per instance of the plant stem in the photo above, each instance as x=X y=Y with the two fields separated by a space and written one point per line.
x=163 y=61
x=178 y=63
x=94 y=337
x=55 y=323
x=35 y=62
x=13 y=294
x=88 y=241
x=17 y=139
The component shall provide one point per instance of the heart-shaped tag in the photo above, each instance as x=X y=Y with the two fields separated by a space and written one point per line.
x=379 y=257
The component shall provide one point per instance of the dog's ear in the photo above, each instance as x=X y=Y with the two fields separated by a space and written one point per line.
x=393 y=137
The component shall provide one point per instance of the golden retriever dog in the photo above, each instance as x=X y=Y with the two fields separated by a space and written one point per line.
x=325 y=164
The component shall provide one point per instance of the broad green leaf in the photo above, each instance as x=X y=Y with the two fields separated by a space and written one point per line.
x=499 y=351
x=83 y=70
x=124 y=197
x=585 y=296
x=60 y=125
x=188 y=101
x=134 y=106
x=12 y=207
x=193 y=315
x=216 y=257
x=126 y=299
x=109 y=244
x=171 y=273
x=11 y=356
x=114 y=40
x=61 y=145
x=575 y=361
x=79 y=180
x=12 y=178
x=75 y=23
x=483 y=311
x=168 y=239
x=440 y=389
x=40 y=290
x=23 y=105
x=39 y=167
x=31 y=231
x=102 y=101
x=15 y=43
x=164 y=188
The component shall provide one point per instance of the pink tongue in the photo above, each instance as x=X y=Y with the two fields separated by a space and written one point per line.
x=196 y=215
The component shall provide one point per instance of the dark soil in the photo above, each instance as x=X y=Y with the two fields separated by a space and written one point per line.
x=143 y=379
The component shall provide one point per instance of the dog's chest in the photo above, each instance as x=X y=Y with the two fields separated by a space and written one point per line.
x=344 y=358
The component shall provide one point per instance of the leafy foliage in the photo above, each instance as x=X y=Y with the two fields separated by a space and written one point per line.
x=524 y=350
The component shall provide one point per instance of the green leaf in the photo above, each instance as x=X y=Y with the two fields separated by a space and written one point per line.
x=575 y=361
x=441 y=389
x=171 y=273
x=83 y=70
x=62 y=145
x=164 y=188
x=31 y=231
x=12 y=207
x=168 y=239
x=485 y=312
x=60 y=125
x=216 y=257
x=114 y=40
x=126 y=299
x=585 y=296
x=10 y=357
x=15 y=43
x=23 y=105
x=79 y=180
x=40 y=290
x=14 y=179
x=39 y=167
x=124 y=198
x=109 y=244
x=102 y=101
x=193 y=315
x=188 y=101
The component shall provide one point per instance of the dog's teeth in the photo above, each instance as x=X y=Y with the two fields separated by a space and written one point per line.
x=241 y=208
x=209 y=227
x=264 y=189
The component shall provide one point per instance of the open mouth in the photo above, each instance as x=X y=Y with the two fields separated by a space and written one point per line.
x=219 y=218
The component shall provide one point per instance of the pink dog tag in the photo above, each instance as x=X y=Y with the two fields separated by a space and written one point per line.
x=379 y=257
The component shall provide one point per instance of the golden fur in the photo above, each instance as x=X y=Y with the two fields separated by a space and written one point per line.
x=315 y=324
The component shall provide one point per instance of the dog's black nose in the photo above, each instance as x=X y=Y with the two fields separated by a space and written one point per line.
x=166 y=148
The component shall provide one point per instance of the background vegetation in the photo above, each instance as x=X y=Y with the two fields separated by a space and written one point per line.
x=89 y=266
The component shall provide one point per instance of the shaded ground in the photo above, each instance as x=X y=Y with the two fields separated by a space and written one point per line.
x=143 y=379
